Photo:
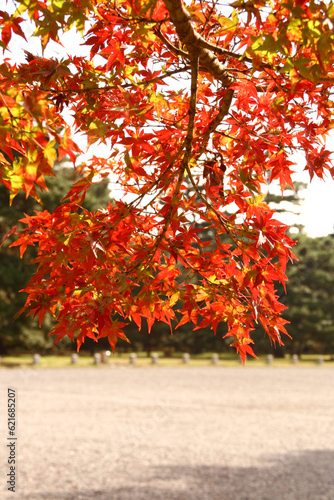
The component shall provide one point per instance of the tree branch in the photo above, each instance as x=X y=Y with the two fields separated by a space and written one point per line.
x=168 y=44
x=195 y=43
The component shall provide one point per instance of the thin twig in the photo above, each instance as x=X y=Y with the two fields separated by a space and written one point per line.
x=113 y=87
x=207 y=19
x=221 y=222
x=223 y=111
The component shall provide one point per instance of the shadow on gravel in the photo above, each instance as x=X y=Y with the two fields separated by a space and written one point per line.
x=304 y=476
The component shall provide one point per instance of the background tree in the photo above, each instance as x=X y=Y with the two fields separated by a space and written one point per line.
x=309 y=296
x=220 y=95
x=22 y=333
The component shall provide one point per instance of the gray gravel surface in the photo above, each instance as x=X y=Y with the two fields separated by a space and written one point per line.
x=181 y=433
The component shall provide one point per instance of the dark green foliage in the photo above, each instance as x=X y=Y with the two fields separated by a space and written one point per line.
x=23 y=333
x=310 y=296
x=310 y=290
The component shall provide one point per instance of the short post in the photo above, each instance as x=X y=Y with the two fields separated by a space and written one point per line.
x=295 y=359
x=214 y=358
x=133 y=358
x=270 y=359
x=97 y=358
x=186 y=358
x=320 y=360
x=74 y=358
x=105 y=357
x=155 y=358
x=36 y=359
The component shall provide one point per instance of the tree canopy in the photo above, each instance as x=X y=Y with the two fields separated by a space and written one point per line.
x=201 y=105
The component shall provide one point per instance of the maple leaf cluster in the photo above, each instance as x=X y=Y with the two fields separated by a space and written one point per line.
x=201 y=107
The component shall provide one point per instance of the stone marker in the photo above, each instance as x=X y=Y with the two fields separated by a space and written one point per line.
x=270 y=359
x=155 y=358
x=36 y=359
x=133 y=358
x=97 y=358
x=214 y=358
x=295 y=359
x=186 y=357
x=105 y=357
x=74 y=358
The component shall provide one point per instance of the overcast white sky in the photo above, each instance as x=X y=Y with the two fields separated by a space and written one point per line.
x=318 y=209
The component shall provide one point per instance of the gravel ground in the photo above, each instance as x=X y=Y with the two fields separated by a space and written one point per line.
x=181 y=433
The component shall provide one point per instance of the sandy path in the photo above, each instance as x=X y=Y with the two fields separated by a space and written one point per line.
x=172 y=433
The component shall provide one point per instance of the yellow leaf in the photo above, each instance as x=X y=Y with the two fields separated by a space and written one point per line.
x=174 y=298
